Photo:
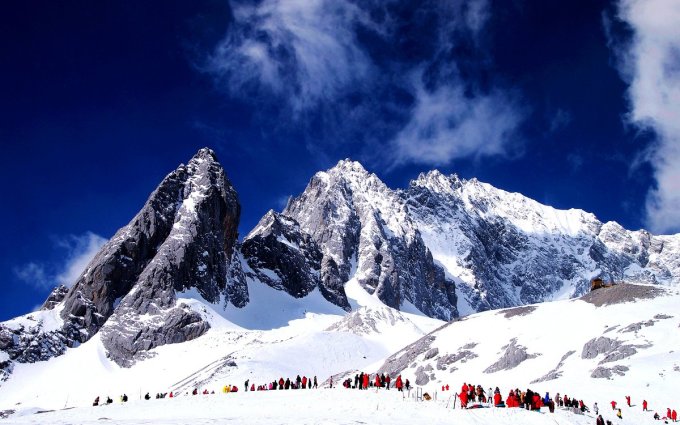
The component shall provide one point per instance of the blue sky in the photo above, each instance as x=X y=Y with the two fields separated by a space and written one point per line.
x=574 y=104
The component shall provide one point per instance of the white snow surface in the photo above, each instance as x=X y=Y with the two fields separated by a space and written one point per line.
x=321 y=406
x=283 y=337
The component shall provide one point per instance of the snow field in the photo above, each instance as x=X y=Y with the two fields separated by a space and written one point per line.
x=323 y=406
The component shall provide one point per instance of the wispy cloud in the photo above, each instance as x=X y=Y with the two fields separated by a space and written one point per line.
x=446 y=124
x=385 y=72
x=78 y=251
x=650 y=62
x=302 y=51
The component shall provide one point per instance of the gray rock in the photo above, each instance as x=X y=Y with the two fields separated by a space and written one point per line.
x=422 y=378
x=285 y=258
x=518 y=311
x=513 y=356
x=556 y=372
x=621 y=293
x=597 y=346
x=635 y=327
x=608 y=372
x=662 y=316
x=400 y=360
x=355 y=219
x=461 y=356
x=56 y=296
x=431 y=353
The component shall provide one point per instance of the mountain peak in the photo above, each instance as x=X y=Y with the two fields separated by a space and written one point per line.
x=436 y=181
x=205 y=154
x=348 y=165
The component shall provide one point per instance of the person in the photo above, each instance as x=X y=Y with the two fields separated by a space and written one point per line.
x=668 y=413
x=656 y=416
x=599 y=421
x=628 y=400
x=366 y=379
x=96 y=401
x=195 y=391
x=315 y=385
x=619 y=415
x=399 y=384
x=172 y=394
x=407 y=385
x=496 y=399
x=147 y=397
x=644 y=405
x=108 y=400
x=613 y=403
x=387 y=382
x=596 y=409
x=331 y=381
x=298 y=380
x=246 y=385
x=125 y=398
x=377 y=381
x=674 y=415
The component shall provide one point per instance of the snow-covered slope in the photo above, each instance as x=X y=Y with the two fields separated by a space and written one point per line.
x=612 y=341
x=504 y=249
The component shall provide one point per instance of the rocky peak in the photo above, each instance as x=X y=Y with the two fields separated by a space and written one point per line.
x=437 y=182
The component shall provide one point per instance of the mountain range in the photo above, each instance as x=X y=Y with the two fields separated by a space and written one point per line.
x=444 y=247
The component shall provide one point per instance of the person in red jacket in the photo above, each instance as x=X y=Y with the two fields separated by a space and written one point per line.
x=463 y=399
x=365 y=380
x=628 y=400
x=387 y=381
x=497 y=399
x=674 y=415
x=644 y=405
x=668 y=413
x=399 y=384
x=377 y=380
x=613 y=405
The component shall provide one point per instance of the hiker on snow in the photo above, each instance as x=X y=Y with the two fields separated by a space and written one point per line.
x=599 y=421
x=628 y=400
x=96 y=401
x=644 y=405
x=399 y=384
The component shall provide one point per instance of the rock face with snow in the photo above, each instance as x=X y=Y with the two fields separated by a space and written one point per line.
x=183 y=238
x=504 y=249
x=364 y=229
x=283 y=257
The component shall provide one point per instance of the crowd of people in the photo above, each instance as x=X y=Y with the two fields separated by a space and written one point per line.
x=297 y=383
x=363 y=381
x=471 y=396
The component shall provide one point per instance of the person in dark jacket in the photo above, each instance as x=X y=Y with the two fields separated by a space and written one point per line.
x=96 y=401
x=147 y=397
x=599 y=421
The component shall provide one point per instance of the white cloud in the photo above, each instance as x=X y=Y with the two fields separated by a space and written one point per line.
x=303 y=50
x=308 y=57
x=79 y=251
x=446 y=124
x=651 y=63
x=35 y=275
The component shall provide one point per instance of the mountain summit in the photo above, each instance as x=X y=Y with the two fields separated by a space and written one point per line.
x=443 y=247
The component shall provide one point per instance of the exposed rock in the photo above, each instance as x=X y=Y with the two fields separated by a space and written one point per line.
x=607 y=372
x=460 y=356
x=517 y=311
x=4 y=414
x=56 y=296
x=597 y=346
x=662 y=316
x=422 y=378
x=431 y=353
x=635 y=327
x=400 y=360
x=621 y=293
x=364 y=321
x=556 y=372
x=283 y=257
x=513 y=356
x=356 y=220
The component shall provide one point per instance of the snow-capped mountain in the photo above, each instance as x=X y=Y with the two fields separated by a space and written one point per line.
x=442 y=247
x=504 y=249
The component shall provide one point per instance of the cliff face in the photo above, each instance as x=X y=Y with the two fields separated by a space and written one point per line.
x=184 y=237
